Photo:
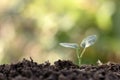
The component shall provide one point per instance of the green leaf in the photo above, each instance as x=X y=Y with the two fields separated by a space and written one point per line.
x=69 y=45
x=88 y=41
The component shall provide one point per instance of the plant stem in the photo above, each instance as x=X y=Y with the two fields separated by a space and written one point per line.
x=80 y=57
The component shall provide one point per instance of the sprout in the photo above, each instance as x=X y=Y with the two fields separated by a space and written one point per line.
x=88 y=41
x=99 y=62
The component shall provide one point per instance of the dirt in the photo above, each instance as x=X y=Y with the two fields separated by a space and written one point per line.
x=61 y=70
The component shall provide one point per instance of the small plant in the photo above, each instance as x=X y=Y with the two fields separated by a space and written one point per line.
x=88 y=41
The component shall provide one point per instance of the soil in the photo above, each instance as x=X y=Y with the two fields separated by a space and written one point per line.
x=61 y=70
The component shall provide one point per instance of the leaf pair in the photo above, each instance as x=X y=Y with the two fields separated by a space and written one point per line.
x=88 y=41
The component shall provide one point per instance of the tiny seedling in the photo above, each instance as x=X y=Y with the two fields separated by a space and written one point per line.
x=88 y=41
x=99 y=62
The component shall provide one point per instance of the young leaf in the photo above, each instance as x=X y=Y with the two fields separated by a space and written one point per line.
x=90 y=40
x=99 y=62
x=69 y=45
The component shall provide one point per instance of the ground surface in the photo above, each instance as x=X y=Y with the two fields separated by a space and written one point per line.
x=61 y=70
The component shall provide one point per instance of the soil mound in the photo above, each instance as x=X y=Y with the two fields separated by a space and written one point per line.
x=61 y=70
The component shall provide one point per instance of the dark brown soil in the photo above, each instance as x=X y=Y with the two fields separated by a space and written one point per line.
x=61 y=70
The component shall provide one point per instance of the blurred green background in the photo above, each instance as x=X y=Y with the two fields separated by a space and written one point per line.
x=34 y=28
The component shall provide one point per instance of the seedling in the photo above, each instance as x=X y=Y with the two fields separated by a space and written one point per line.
x=99 y=62
x=88 y=41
